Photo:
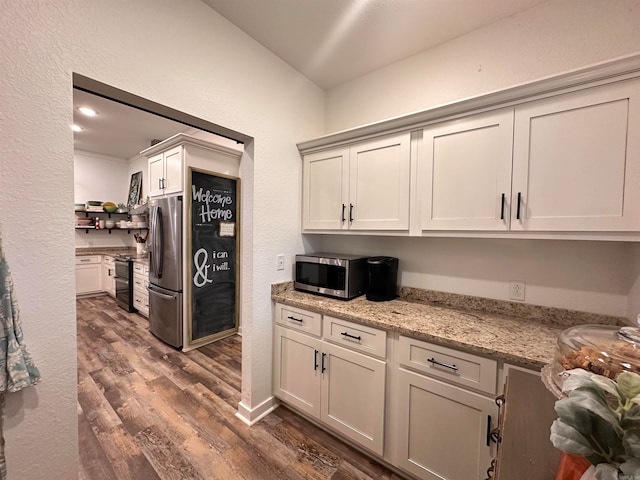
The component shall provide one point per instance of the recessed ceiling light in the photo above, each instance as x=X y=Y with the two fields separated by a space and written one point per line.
x=89 y=112
x=76 y=128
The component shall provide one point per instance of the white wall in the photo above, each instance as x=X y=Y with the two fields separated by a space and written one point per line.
x=106 y=179
x=99 y=177
x=554 y=37
x=579 y=275
x=204 y=67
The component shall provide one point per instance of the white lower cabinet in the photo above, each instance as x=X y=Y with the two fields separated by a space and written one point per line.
x=443 y=430
x=438 y=403
x=352 y=400
x=140 y=292
x=88 y=274
x=108 y=275
x=342 y=388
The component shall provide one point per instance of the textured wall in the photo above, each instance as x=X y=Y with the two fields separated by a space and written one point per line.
x=554 y=37
x=175 y=52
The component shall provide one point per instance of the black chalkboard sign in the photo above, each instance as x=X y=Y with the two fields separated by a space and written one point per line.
x=213 y=255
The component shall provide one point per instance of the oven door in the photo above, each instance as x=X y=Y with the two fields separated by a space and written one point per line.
x=122 y=292
x=122 y=269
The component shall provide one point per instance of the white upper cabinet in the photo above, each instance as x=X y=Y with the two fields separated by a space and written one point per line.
x=165 y=172
x=558 y=158
x=379 y=183
x=464 y=177
x=325 y=189
x=361 y=187
x=576 y=163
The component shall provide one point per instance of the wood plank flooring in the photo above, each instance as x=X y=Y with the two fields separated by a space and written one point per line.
x=148 y=411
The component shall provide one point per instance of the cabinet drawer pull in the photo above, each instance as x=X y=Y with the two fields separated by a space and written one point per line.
x=315 y=359
x=518 y=207
x=323 y=367
x=350 y=212
x=342 y=219
x=359 y=338
x=295 y=319
x=446 y=365
x=502 y=207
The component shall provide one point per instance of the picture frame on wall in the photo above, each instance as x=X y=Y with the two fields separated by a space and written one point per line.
x=134 y=190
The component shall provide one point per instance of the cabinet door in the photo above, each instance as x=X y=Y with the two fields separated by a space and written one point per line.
x=325 y=187
x=108 y=279
x=353 y=389
x=576 y=161
x=173 y=170
x=88 y=278
x=465 y=179
x=297 y=369
x=442 y=429
x=156 y=175
x=379 y=184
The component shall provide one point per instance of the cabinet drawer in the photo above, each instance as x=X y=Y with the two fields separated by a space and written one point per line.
x=141 y=302
x=108 y=260
x=448 y=364
x=138 y=267
x=355 y=336
x=140 y=283
x=303 y=320
x=88 y=259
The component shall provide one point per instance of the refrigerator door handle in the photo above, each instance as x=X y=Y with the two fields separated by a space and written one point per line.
x=156 y=241
x=159 y=239
x=161 y=295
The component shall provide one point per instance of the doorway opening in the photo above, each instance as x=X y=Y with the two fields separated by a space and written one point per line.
x=104 y=164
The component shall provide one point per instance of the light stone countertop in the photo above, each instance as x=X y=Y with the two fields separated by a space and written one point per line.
x=528 y=340
x=112 y=251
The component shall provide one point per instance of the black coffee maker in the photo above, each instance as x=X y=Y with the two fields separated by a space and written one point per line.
x=383 y=279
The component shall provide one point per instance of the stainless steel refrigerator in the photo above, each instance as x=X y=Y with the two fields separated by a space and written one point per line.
x=165 y=269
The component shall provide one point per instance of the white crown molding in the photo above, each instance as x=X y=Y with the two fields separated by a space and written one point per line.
x=100 y=156
x=604 y=72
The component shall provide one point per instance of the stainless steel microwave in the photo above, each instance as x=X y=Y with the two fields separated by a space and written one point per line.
x=331 y=274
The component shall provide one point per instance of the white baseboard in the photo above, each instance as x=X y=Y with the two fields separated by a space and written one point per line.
x=251 y=416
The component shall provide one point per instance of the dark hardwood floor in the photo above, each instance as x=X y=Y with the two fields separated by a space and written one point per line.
x=148 y=411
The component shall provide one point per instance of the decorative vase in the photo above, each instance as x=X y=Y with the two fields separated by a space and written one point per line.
x=572 y=467
x=139 y=248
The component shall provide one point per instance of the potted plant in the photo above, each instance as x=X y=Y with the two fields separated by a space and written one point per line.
x=599 y=419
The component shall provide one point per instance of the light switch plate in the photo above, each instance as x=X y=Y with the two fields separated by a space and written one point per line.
x=280 y=262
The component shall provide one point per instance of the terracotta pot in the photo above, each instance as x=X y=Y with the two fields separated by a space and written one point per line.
x=571 y=467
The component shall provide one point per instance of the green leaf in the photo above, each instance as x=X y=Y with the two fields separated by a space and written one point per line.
x=631 y=468
x=635 y=400
x=604 y=471
x=577 y=378
x=631 y=442
x=566 y=438
x=628 y=385
x=594 y=402
x=606 y=384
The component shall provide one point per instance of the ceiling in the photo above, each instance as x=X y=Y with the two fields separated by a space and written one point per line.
x=329 y=41
x=334 y=41
x=117 y=130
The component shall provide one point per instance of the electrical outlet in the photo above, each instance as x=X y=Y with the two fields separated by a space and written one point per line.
x=280 y=262
x=516 y=290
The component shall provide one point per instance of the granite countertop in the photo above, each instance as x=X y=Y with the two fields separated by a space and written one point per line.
x=516 y=333
x=112 y=251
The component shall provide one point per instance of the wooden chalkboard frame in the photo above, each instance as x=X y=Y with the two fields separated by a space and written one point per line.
x=191 y=342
